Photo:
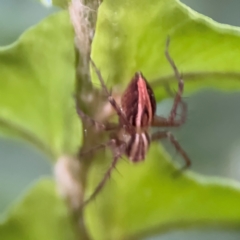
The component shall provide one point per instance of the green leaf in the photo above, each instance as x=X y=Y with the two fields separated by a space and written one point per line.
x=131 y=36
x=146 y=198
x=37 y=75
x=59 y=3
x=40 y=215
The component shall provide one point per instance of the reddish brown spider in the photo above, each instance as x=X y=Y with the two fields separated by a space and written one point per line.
x=137 y=114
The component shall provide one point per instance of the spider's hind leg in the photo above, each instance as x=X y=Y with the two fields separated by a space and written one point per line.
x=166 y=134
x=118 y=151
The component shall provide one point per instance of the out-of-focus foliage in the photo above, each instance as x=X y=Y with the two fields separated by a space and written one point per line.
x=132 y=39
x=41 y=215
x=37 y=85
x=149 y=198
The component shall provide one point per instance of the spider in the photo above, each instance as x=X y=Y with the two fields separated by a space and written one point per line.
x=136 y=115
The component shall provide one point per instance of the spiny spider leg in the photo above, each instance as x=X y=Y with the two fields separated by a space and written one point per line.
x=166 y=122
x=179 y=93
x=110 y=97
x=171 y=120
x=117 y=156
x=98 y=125
x=165 y=134
x=85 y=117
x=98 y=147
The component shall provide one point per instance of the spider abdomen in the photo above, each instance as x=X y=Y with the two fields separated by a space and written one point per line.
x=138 y=102
x=138 y=146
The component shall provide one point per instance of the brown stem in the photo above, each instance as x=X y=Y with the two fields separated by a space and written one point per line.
x=70 y=176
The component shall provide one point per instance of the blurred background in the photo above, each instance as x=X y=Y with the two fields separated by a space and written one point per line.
x=211 y=134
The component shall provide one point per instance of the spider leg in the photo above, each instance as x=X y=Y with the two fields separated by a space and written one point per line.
x=117 y=156
x=112 y=142
x=171 y=122
x=85 y=117
x=110 y=97
x=176 y=144
x=98 y=125
x=178 y=95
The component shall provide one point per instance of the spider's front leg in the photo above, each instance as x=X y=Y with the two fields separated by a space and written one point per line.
x=110 y=97
x=111 y=143
x=166 y=134
x=98 y=125
x=171 y=121
x=178 y=96
x=118 y=151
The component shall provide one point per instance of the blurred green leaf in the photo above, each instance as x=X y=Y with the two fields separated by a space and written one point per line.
x=131 y=36
x=146 y=198
x=37 y=75
x=59 y=3
x=41 y=215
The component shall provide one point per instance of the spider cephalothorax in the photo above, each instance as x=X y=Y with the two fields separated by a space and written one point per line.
x=137 y=113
